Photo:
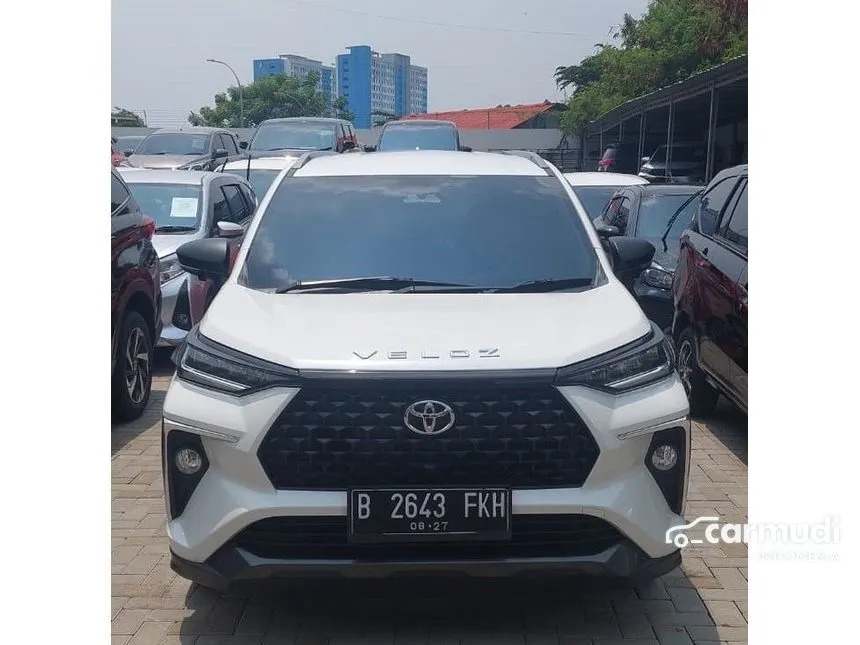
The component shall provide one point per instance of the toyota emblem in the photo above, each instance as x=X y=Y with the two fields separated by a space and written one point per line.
x=429 y=418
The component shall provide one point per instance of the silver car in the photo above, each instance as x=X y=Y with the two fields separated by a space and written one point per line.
x=185 y=149
x=187 y=205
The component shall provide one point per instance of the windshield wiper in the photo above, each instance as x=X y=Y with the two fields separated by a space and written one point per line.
x=551 y=284
x=174 y=228
x=674 y=218
x=369 y=283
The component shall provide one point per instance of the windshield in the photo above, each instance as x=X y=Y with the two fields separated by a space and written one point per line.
x=594 y=198
x=170 y=205
x=655 y=211
x=684 y=154
x=174 y=144
x=417 y=137
x=482 y=231
x=293 y=136
x=128 y=143
x=260 y=180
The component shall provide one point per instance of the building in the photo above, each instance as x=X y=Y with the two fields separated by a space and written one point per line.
x=532 y=116
x=376 y=85
x=294 y=65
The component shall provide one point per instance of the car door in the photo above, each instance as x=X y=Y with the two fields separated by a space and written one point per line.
x=609 y=211
x=733 y=235
x=240 y=213
x=715 y=271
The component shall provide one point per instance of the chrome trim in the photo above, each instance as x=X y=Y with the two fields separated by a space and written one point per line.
x=684 y=422
x=643 y=376
x=230 y=385
x=178 y=425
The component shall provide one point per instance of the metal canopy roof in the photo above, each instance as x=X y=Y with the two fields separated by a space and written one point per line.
x=720 y=75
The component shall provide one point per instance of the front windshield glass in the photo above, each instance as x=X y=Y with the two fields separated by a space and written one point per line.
x=128 y=143
x=260 y=180
x=417 y=137
x=483 y=231
x=594 y=198
x=655 y=211
x=682 y=154
x=293 y=136
x=172 y=206
x=177 y=143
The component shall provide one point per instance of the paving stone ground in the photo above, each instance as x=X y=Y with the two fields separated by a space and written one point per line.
x=704 y=602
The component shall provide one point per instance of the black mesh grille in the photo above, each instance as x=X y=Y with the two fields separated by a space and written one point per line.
x=326 y=538
x=334 y=437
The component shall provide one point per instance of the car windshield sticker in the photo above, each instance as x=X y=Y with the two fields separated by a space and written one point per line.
x=183 y=207
x=429 y=198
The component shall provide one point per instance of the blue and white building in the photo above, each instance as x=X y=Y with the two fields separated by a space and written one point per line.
x=299 y=66
x=380 y=83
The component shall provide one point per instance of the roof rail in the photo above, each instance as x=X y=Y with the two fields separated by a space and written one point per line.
x=535 y=158
x=304 y=159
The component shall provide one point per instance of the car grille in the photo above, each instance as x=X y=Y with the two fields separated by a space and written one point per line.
x=326 y=538
x=332 y=437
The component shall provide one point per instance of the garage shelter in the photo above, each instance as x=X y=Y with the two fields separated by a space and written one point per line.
x=709 y=109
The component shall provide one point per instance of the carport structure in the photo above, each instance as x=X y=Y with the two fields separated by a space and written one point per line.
x=709 y=108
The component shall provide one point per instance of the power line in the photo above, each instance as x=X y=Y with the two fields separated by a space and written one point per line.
x=443 y=24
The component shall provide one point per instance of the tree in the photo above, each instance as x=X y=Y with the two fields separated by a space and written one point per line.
x=270 y=97
x=671 y=41
x=122 y=118
x=340 y=109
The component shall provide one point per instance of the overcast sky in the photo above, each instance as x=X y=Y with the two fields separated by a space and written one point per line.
x=479 y=53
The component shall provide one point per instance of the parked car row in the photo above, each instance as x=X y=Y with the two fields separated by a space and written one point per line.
x=682 y=162
x=696 y=287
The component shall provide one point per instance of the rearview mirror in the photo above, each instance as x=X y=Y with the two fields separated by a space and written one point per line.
x=645 y=159
x=605 y=232
x=465 y=149
x=206 y=258
x=229 y=230
x=243 y=145
x=630 y=256
x=220 y=153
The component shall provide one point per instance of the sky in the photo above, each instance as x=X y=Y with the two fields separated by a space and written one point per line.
x=479 y=53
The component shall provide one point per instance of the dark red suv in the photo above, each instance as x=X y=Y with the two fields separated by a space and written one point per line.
x=135 y=302
x=710 y=296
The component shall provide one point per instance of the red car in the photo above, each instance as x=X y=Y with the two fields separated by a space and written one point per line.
x=710 y=294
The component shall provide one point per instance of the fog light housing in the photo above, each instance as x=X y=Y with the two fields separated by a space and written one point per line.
x=664 y=457
x=188 y=461
x=667 y=459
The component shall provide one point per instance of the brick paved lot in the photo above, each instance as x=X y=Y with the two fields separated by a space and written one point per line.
x=704 y=602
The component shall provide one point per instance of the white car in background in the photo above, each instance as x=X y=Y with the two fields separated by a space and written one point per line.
x=594 y=189
x=259 y=171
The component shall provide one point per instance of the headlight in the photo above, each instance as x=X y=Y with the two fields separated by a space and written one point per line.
x=208 y=364
x=169 y=268
x=657 y=276
x=642 y=362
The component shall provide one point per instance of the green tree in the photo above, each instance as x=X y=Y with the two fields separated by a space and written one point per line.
x=671 y=41
x=271 y=97
x=340 y=109
x=120 y=117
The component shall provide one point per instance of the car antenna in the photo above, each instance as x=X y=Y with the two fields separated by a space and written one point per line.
x=248 y=169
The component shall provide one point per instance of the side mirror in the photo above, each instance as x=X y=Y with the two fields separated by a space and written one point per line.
x=630 y=256
x=605 y=232
x=370 y=148
x=348 y=145
x=128 y=152
x=229 y=230
x=220 y=153
x=645 y=159
x=465 y=149
x=243 y=145
x=206 y=258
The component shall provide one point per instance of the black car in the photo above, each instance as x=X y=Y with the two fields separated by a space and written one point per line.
x=710 y=289
x=418 y=134
x=620 y=157
x=135 y=302
x=303 y=134
x=186 y=149
x=659 y=214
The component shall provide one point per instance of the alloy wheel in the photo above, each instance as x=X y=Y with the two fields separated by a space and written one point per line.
x=136 y=365
x=685 y=365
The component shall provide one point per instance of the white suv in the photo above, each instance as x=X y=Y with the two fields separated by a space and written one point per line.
x=423 y=362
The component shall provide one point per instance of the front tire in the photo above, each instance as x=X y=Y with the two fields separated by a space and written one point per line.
x=132 y=377
x=702 y=397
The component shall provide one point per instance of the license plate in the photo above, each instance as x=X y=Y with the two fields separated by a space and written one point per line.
x=429 y=514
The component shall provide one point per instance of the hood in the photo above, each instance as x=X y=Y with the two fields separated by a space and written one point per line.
x=166 y=244
x=170 y=162
x=329 y=331
x=668 y=259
